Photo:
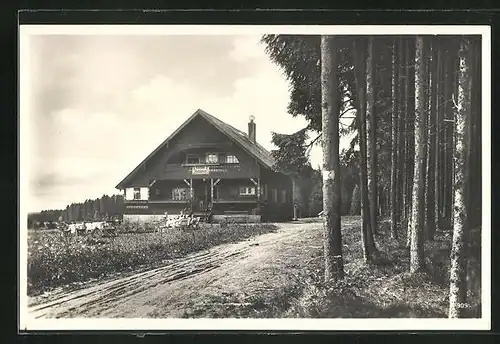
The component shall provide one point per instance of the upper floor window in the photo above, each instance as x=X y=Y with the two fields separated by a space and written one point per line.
x=212 y=158
x=222 y=158
x=137 y=193
x=192 y=159
x=247 y=190
x=231 y=159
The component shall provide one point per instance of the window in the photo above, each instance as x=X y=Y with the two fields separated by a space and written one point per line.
x=212 y=158
x=157 y=192
x=231 y=159
x=180 y=194
x=222 y=158
x=275 y=195
x=247 y=191
x=137 y=193
x=264 y=191
x=192 y=159
x=283 y=196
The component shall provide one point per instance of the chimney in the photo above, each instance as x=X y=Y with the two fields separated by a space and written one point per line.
x=251 y=129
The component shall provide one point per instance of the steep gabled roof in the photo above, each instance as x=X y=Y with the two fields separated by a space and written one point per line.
x=239 y=137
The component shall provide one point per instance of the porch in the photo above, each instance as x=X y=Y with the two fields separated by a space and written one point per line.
x=214 y=195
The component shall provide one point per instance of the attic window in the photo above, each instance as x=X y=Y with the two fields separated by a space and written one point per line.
x=212 y=158
x=231 y=159
x=192 y=159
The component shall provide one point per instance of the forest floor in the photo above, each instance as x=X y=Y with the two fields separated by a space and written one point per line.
x=275 y=275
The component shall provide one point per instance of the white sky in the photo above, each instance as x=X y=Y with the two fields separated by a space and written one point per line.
x=99 y=104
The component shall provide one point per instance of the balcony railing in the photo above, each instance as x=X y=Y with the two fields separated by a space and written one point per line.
x=175 y=171
x=202 y=164
x=169 y=201
x=250 y=199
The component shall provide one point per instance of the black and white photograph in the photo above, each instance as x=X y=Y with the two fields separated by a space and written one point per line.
x=254 y=177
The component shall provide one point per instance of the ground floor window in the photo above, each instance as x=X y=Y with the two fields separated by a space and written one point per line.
x=275 y=195
x=247 y=191
x=283 y=196
x=180 y=194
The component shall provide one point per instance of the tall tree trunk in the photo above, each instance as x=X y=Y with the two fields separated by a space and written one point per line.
x=418 y=206
x=401 y=138
x=452 y=87
x=447 y=116
x=334 y=266
x=458 y=270
x=368 y=243
x=371 y=131
x=431 y=156
x=438 y=139
x=394 y=140
x=410 y=134
x=426 y=58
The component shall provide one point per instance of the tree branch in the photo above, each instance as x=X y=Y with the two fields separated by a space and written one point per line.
x=309 y=145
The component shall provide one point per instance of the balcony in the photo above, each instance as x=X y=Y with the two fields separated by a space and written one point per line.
x=168 y=201
x=207 y=170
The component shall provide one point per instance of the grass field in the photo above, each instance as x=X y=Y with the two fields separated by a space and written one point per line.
x=55 y=260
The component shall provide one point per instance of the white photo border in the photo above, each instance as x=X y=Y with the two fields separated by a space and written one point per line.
x=27 y=323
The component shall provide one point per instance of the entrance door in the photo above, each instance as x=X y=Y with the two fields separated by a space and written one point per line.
x=201 y=190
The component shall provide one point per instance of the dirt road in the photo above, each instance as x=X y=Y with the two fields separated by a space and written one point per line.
x=211 y=283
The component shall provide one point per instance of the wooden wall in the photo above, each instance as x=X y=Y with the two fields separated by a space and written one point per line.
x=166 y=164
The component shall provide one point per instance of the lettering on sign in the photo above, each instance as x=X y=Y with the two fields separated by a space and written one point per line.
x=205 y=170
x=200 y=170
x=218 y=169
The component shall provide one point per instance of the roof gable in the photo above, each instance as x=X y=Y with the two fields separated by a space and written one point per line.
x=239 y=137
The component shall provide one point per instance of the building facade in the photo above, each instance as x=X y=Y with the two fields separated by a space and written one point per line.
x=208 y=167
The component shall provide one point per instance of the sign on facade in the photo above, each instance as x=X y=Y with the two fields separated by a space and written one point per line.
x=201 y=170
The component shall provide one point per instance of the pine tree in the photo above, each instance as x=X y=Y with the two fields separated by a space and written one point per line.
x=394 y=141
x=371 y=129
x=458 y=270
x=334 y=266
x=368 y=242
x=418 y=202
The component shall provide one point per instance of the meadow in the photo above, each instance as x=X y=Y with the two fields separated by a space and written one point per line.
x=57 y=260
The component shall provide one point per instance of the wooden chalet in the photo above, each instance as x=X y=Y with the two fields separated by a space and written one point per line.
x=208 y=168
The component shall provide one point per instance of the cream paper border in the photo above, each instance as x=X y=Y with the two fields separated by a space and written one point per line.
x=28 y=323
